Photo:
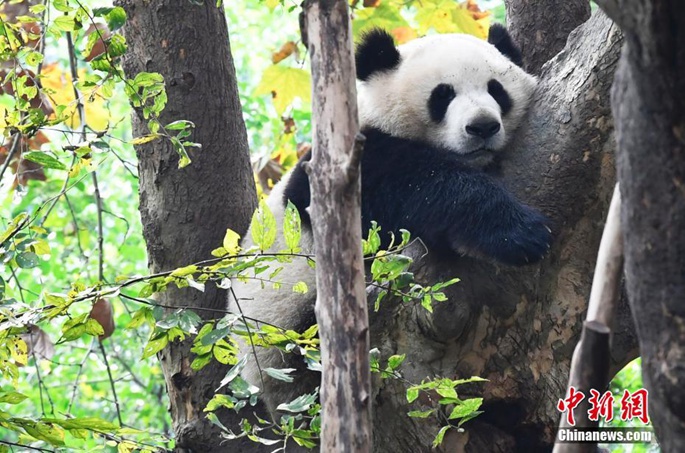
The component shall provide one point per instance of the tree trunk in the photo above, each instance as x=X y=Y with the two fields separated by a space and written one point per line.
x=541 y=29
x=334 y=175
x=649 y=110
x=188 y=44
x=518 y=327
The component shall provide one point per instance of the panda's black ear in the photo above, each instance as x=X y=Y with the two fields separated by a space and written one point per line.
x=499 y=37
x=375 y=52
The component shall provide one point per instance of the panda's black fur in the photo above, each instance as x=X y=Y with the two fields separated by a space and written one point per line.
x=439 y=198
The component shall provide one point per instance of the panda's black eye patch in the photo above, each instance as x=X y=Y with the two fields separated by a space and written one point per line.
x=500 y=95
x=439 y=100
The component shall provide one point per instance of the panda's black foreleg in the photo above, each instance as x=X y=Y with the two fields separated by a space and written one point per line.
x=492 y=222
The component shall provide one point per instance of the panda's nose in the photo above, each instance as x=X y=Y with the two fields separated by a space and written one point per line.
x=483 y=129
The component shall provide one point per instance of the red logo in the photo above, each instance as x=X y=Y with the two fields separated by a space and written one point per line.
x=571 y=402
x=633 y=405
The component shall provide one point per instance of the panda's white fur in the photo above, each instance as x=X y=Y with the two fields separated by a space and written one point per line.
x=393 y=101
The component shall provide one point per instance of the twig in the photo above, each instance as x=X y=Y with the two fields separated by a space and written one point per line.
x=111 y=382
x=98 y=204
x=12 y=444
x=249 y=334
x=41 y=385
x=10 y=154
x=77 y=229
x=78 y=376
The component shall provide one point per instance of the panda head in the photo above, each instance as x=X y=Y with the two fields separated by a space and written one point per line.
x=451 y=91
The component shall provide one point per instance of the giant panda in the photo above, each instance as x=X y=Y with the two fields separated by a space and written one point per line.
x=434 y=111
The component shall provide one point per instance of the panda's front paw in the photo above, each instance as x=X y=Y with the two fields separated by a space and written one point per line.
x=524 y=240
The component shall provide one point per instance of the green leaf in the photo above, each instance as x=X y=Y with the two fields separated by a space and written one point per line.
x=116 y=46
x=52 y=434
x=218 y=401
x=64 y=23
x=27 y=260
x=214 y=336
x=155 y=345
x=225 y=352
x=263 y=227
x=395 y=361
x=90 y=423
x=184 y=160
x=282 y=374
x=179 y=125
x=233 y=372
x=116 y=18
x=465 y=408
x=299 y=404
x=412 y=394
x=292 y=227
x=300 y=288
x=285 y=84
x=12 y=397
x=94 y=328
x=441 y=435
x=231 y=242
x=421 y=414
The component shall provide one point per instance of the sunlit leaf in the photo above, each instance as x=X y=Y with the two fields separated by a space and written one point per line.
x=285 y=84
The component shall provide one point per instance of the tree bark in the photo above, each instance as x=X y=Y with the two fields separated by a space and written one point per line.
x=649 y=108
x=334 y=175
x=541 y=30
x=518 y=327
x=188 y=44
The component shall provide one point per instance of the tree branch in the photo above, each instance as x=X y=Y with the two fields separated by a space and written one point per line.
x=541 y=29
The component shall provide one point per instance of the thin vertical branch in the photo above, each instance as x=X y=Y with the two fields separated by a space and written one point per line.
x=111 y=383
x=341 y=309
x=592 y=356
x=10 y=154
x=78 y=375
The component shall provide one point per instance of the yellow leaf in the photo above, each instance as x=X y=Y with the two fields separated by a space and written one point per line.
x=145 y=139
x=272 y=4
x=384 y=16
x=19 y=351
x=465 y=23
x=437 y=16
x=285 y=84
x=40 y=247
x=61 y=92
x=231 y=242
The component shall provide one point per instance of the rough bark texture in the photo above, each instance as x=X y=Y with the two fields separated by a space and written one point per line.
x=649 y=108
x=336 y=214
x=518 y=327
x=188 y=44
x=541 y=28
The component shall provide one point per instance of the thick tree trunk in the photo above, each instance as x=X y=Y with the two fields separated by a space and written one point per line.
x=649 y=109
x=188 y=44
x=336 y=206
x=518 y=327
x=541 y=28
